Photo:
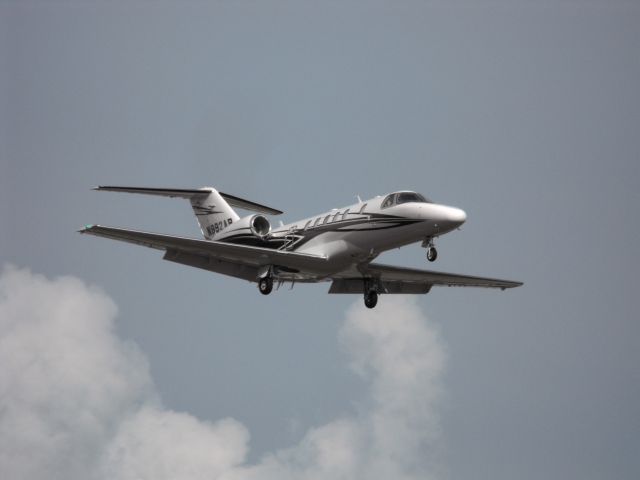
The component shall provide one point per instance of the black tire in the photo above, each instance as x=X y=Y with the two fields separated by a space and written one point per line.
x=432 y=254
x=265 y=285
x=370 y=299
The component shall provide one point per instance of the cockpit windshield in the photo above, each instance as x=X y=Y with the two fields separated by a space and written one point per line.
x=406 y=197
x=403 y=197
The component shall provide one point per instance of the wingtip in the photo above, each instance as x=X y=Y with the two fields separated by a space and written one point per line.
x=86 y=228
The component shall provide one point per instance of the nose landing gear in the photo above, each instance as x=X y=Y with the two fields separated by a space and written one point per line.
x=432 y=253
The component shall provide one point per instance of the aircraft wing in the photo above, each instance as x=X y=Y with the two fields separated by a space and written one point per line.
x=207 y=254
x=244 y=261
x=411 y=280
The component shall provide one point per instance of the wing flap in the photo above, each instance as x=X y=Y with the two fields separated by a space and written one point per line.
x=238 y=254
x=246 y=272
x=402 y=274
x=356 y=285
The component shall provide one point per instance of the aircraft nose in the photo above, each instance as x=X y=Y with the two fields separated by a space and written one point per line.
x=456 y=215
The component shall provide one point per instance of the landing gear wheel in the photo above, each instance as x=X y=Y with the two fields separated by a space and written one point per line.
x=265 y=285
x=371 y=299
x=432 y=254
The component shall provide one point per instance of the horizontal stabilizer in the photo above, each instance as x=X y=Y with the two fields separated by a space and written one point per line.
x=248 y=205
x=194 y=193
x=161 y=192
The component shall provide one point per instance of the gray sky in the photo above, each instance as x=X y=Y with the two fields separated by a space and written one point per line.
x=523 y=113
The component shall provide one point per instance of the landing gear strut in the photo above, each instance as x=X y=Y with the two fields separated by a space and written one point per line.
x=432 y=253
x=370 y=298
x=265 y=285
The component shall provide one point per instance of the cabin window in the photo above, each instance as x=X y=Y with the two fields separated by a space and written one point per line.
x=335 y=217
x=315 y=224
x=306 y=225
x=362 y=208
x=326 y=219
x=344 y=215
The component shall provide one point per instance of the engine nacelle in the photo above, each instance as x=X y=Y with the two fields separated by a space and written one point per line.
x=253 y=225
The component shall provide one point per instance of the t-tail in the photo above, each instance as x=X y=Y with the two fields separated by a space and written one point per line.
x=212 y=208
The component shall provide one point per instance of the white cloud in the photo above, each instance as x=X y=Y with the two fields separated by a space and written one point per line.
x=65 y=379
x=157 y=443
x=78 y=402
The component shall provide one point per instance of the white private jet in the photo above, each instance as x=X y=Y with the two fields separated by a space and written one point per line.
x=336 y=246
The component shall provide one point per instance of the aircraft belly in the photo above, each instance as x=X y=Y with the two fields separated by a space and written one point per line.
x=344 y=248
x=383 y=239
x=335 y=248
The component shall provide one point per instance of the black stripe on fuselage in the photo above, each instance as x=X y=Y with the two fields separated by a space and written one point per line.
x=388 y=222
x=331 y=226
x=385 y=227
x=384 y=222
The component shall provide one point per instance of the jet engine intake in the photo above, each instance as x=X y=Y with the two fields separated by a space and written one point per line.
x=260 y=226
x=257 y=226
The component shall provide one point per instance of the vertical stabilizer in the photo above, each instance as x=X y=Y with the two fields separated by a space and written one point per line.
x=213 y=213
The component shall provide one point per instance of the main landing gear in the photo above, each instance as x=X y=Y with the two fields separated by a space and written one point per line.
x=370 y=298
x=371 y=288
x=265 y=285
